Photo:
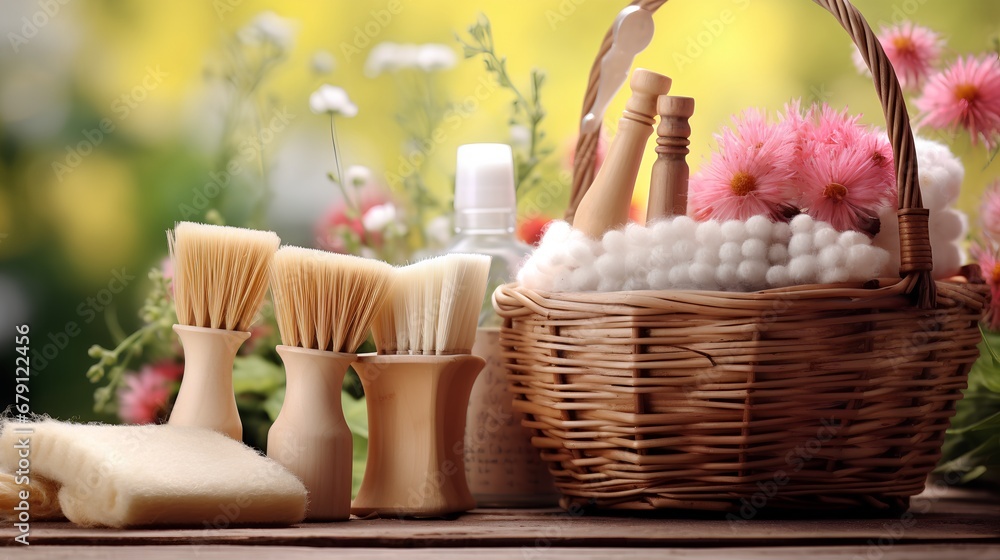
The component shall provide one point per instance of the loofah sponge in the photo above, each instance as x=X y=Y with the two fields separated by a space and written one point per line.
x=127 y=476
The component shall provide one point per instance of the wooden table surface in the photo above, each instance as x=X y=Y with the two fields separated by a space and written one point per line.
x=954 y=523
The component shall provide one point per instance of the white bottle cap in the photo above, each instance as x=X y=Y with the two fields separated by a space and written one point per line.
x=484 y=187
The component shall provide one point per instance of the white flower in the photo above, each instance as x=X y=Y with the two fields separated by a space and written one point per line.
x=332 y=99
x=269 y=27
x=439 y=230
x=322 y=62
x=358 y=176
x=377 y=218
x=391 y=57
x=433 y=56
x=520 y=135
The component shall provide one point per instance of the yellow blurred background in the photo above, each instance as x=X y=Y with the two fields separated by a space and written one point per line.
x=150 y=70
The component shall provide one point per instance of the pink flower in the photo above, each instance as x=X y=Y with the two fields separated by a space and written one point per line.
x=530 y=230
x=342 y=230
x=989 y=211
x=913 y=51
x=989 y=264
x=144 y=395
x=750 y=175
x=843 y=186
x=967 y=95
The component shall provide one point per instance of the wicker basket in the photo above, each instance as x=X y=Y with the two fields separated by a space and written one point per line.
x=818 y=397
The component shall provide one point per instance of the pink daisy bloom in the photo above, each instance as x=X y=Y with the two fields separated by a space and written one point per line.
x=989 y=211
x=913 y=51
x=750 y=175
x=833 y=128
x=967 y=95
x=989 y=264
x=143 y=396
x=841 y=186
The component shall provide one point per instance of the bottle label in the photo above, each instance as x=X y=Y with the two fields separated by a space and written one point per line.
x=502 y=467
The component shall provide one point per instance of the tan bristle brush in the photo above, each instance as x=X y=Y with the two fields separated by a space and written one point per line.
x=324 y=304
x=220 y=279
x=418 y=386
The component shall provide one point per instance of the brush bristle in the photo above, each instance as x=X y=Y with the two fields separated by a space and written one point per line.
x=435 y=306
x=327 y=301
x=220 y=274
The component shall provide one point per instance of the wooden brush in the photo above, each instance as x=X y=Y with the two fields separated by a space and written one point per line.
x=418 y=389
x=324 y=304
x=220 y=278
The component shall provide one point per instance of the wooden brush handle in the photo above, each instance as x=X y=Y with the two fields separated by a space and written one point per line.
x=206 y=397
x=416 y=428
x=310 y=436
x=606 y=204
x=668 y=182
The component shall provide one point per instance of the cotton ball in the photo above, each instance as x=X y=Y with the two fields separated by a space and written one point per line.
x=561 y=281
x=834 y=275
x=559 y=258
x=684 y=250
x=636 y=261
x=803 y=269
x=638 y=236
x=529 y=276
x=800 y=245
x=702 y=276
x=754 y=249
x=803 y=223
x=584 y=279
x=581 y=253
x=611 y=267
x=777 y=254
x=660 y=229
x=635 y=282
x=863 y=262
x=851 y=238
x=752 y=273
x=707 y=255
x=777 y=276
x=660 y=255
x=759 y=227
x=781 y=232
x=948 y=259
x=731 y=252
x=684 y=227
x=609 y=285
x=734 y=230
x=614 y=241
x=941 y=174
x=832 y=256
x=679 y=276
x=947 y=225
x=727 y=276
x=659 y=279
x=709 y=234
x=824 y=237
x=556 y=232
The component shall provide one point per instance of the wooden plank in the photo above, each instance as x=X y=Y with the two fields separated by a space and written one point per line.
x=899 y=552
x=952 y=516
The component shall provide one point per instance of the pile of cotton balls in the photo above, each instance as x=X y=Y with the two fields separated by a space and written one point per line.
x=679 y=253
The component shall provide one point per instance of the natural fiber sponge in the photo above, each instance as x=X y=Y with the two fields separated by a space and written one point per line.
x=127 y=476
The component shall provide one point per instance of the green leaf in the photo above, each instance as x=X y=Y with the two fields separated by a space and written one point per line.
x=272 y=405
x=254 y=374
x=991 y=422
x=989 y=339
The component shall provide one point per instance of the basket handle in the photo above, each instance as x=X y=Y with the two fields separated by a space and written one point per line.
x=914 y=240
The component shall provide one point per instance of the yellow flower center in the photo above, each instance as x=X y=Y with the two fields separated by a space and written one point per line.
x=904 y=45
x=996 y=272
x=835 y=191
x=967 y=92
x=743 y=183
x=878 y=159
